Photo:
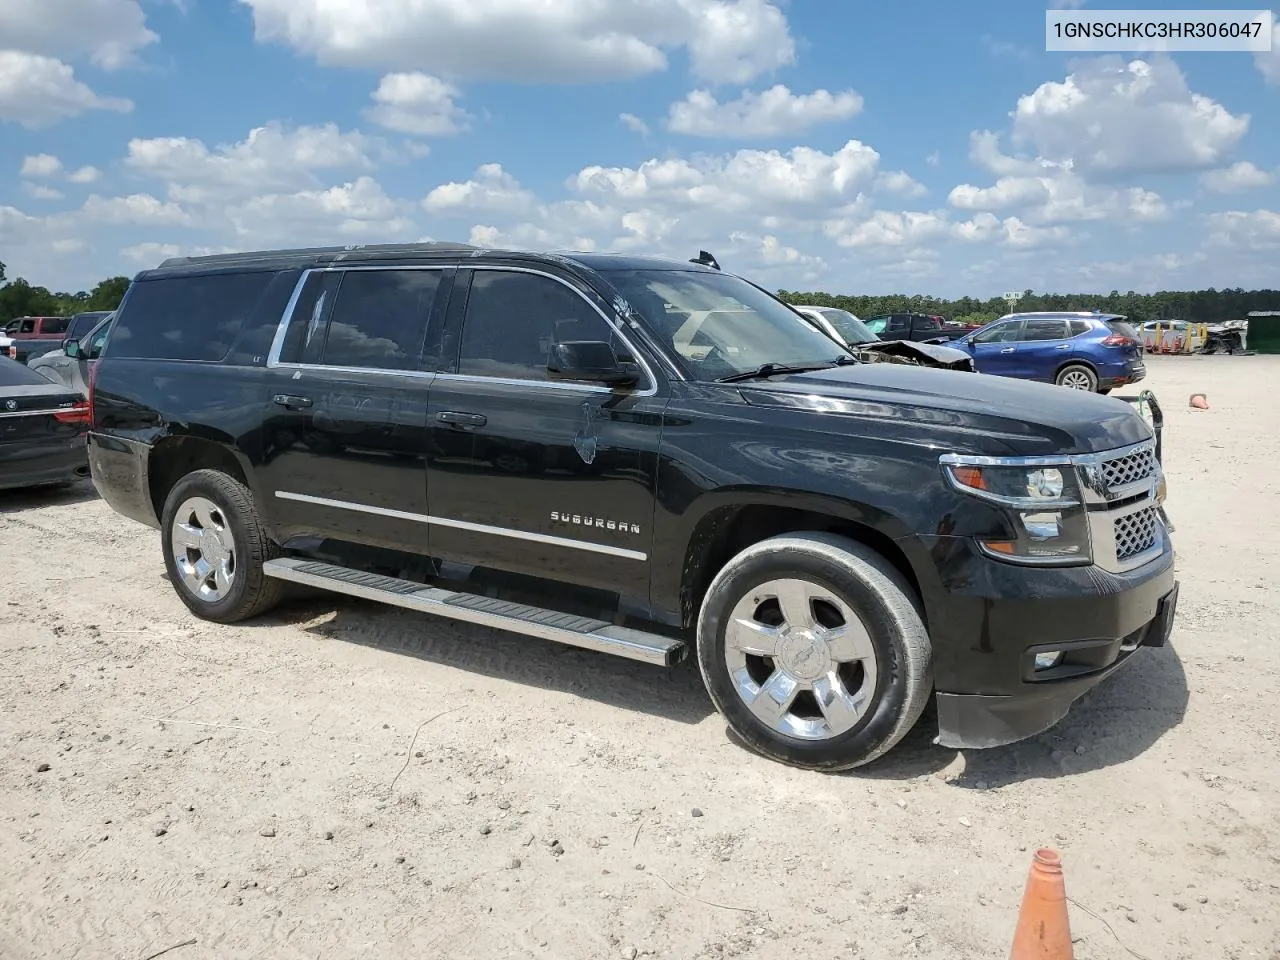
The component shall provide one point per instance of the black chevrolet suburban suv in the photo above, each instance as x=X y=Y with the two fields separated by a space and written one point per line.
x=641 y=457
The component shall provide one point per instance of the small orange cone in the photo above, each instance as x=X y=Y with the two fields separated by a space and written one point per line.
x=1043 y=932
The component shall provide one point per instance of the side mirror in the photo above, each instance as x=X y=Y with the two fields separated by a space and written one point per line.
x=592 y=361
x=71 y=348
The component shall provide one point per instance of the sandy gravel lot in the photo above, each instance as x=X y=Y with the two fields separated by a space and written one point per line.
x=254 y=789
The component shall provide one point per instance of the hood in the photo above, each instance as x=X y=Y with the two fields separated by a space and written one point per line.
x=1030 y=419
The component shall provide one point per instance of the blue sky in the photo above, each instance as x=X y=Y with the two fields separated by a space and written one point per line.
x=815 y=144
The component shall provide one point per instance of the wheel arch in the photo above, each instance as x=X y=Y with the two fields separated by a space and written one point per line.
x=1075 y=362
x=733 y=522
x=173 y=457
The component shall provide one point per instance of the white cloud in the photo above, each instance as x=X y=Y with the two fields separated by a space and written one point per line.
x=38 y=91
x=900 y=182
x=84 y=175
x=1112 y=117
x=39 y=191
x=111 y=32
x=1237 y=177
x=355 y=212
x=417 y=104
x=492 y=190
x=41 y=165
x=1269 y=61
x=138 y=208
x=69 y=245
x=745 y=180
x=272 y=158
x=728 y=41
x=634 y=124
x=886 y=228
x=151 y=254
x=1246 y=230
x=775 y=112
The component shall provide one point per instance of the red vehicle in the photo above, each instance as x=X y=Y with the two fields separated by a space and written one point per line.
x=28 y=328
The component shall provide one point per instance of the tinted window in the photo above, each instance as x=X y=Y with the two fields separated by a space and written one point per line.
x=379 y=319
x=1078 y=327
x=97 y=341
x=1000 y=333
x=1124 y=328
x=1044 y=329
x=27 y=326
x=304 y=340
x=53 y=326
x=513 y=319
x=899 y=323
x=15 y=374
x=186 y=318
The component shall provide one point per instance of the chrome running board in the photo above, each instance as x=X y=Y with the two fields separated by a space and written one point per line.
x=531 y=621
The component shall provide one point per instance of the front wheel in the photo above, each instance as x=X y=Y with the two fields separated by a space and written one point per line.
x=1077 y=377
x=215 y=546
x=813 y=649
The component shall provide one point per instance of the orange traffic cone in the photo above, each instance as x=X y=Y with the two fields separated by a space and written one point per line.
x=1043 y=932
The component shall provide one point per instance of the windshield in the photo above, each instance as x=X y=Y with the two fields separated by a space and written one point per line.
x=850 y=328
x=720 y=325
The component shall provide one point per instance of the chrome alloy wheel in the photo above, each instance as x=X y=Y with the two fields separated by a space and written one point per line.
x=800 y=659
x=204 y=551
x=1077 y=380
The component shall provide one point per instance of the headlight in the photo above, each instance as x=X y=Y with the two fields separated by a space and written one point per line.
x=1042 y=500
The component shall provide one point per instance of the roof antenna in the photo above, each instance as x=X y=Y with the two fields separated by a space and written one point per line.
x=706 y=260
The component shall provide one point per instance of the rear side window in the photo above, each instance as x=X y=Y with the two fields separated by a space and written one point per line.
x=1078 y=327
x=1044 y=329
x=186 y=318
x=53 y=326
x=379 y=319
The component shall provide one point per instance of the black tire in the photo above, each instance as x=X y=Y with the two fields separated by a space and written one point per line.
x=1080 y=373
x=251 y=592
x=889 y=610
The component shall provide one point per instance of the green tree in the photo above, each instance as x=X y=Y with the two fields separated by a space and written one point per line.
x=107 y=294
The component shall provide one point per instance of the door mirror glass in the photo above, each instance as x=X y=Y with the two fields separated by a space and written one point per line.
x=592 y=361
x=71 y=348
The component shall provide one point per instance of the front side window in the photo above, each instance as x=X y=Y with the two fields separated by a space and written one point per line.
x=513 y=319
x=1001 y=333
x=899 y=323
x=719 y=325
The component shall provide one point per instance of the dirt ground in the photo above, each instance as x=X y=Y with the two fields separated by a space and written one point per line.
x=345 y=780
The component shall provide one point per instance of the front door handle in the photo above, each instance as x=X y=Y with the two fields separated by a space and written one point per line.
x=1008 y=349
x=1063 y=346
x=291 y=402
x=457 y=419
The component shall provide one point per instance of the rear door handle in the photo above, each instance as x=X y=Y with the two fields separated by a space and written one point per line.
x=1008 y=349
x=462 y=419
x=291 y=402
x=1063 y=346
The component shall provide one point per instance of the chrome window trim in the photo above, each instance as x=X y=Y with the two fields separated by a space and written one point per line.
x=466 y=525
x=277 y=341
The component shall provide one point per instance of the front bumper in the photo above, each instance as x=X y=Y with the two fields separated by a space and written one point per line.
x=975 y=721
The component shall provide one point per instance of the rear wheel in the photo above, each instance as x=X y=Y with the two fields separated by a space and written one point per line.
x=215 y=546
x=813 y=649
x=1075 y=376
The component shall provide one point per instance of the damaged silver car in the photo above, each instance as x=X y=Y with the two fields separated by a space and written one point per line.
x=850 y=332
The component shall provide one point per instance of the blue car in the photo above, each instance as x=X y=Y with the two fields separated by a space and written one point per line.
x=1083 y=351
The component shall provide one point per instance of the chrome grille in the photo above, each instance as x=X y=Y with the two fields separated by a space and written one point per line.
x=1130 y=468
x=1136 y=533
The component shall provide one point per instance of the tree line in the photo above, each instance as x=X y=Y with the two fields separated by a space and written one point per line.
x=18 y=298
x=1196 y=306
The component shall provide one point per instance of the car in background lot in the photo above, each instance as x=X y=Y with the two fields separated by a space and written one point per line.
x=70 y=365
x=43 y=427
x=51 y=337
x=848 y=331
x=921 y=327
x=1084 y=351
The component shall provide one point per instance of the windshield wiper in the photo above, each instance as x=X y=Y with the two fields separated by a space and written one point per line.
x=766 y=370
